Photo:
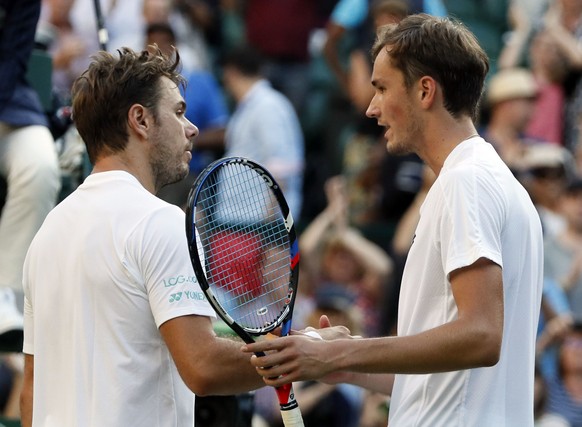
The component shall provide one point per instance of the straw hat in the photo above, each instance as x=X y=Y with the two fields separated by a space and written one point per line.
x=546 y=155
x=511 y=83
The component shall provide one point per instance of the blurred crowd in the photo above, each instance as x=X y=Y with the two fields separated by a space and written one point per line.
x=287 y=83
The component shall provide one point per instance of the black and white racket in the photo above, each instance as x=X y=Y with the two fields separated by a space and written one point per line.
x=245 y=254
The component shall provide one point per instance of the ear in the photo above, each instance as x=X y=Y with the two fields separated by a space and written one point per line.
x=427 y=90
x=139 y=120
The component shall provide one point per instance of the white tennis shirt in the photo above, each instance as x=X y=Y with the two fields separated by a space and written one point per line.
x=475 y=208
x=108 y=267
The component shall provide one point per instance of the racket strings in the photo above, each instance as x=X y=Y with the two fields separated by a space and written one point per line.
x=246 y=246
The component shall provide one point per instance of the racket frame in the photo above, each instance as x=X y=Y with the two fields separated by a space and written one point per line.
x=285 y=317
x=290 y=412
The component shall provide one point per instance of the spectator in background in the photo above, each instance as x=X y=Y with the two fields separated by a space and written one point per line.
x=549 y=68
x=280 y=32
x=564 y=390
x=332 y=251
x=541 y=54
x=28 y=161
x=563 y=23
x=511 y=95
x=361 y=148
x=380 y=186
x=542 y=417
x=287 y=35
x=432 y=7
x=198 y=21
x=563 y=254
x=29 y=173
x=544 y=172
x=399 y=245
x=488 y=20
x=69 y=46
x=264 y=126
x=185 y=37
x=555 y=320
x=346 y=17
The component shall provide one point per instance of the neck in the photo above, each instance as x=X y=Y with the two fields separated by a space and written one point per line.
x=123 y=163
x=438 y=145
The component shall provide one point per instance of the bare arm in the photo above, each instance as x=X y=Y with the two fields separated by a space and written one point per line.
x=564 y=39
x=209 y=365
x=472 y=340
x=330 y=52
x=27 y=389
x=361 y=90
x=377 y=264
x=332 y=218
x=406 y=227
x=514 y=48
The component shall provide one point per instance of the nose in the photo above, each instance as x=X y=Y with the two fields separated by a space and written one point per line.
x=372 y=111
x=192 y=130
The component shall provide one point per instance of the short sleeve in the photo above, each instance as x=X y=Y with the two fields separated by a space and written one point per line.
x=473 y=218
x=161 y=249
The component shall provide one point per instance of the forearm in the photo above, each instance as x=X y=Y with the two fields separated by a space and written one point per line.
x=26 y=395
x=225 y=370
x=568 y=45
x=313 y=234
x=472 y=340
x=512 y=53
x=448 y=347
x=330 y=52
x=208 y=365
x=370 y=255
x=26 y=409
x=379 y=383
x=361 y=91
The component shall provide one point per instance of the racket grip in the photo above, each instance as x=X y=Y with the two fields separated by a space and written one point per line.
x=290 y=412
x=292 y=417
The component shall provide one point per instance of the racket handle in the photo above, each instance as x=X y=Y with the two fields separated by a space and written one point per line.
x=292 y=417
x=290 y=412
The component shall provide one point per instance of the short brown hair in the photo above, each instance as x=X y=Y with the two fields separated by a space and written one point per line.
x=103 y=94
x=424 y=45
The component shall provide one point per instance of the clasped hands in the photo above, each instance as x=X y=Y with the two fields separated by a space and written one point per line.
x=301 y=356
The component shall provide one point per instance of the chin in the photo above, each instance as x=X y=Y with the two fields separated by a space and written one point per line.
x=397 y=149
x=177 y=177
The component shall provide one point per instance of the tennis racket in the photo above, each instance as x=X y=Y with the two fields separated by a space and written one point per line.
x=245 y=255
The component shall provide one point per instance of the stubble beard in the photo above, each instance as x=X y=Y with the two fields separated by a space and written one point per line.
x=408 y=142
x=398 y=149
x=166 y=168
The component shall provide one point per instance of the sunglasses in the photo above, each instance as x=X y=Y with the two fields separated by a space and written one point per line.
x=549 y=172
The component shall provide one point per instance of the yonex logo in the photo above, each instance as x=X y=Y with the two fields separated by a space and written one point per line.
x=176 y=297
x=260 y=171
